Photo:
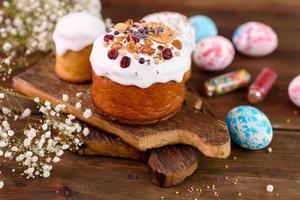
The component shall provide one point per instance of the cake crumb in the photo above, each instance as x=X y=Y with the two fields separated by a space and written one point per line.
x=270 y=150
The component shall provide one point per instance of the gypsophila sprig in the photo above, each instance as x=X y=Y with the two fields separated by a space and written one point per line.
x=26 y=27
x=42 y=141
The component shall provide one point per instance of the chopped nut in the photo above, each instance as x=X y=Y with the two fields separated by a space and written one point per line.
x=148 y=42
x=135 y=56
x=177 y=53
x=120 y=38
x=177 y=44
x=129 y=22
x=121 y=27
x=131 y=47
x=156 y=61
x=117 y=45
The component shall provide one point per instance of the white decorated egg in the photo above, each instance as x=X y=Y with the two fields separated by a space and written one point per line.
x=214 y=53
x=255 y=39
x=294 y=90
x=249 y=127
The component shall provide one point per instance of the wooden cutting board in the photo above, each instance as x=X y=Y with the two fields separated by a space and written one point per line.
x=169 y=165
x=189 y=126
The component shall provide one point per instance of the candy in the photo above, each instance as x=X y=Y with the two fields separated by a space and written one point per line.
x=294 y=90
x=214 y=53
x=204 y=26
x=249 y=127
x=227 y=82
x=255 y=39
x=262 y=85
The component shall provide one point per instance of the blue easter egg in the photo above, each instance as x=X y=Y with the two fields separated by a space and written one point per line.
x=204 y=26
x=249 y=127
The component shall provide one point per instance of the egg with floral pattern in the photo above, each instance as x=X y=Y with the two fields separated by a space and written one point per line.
x=249 y=127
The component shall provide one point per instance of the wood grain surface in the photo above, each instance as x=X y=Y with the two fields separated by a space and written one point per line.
x=109 y=178
x=169 y=165
x=189 y=126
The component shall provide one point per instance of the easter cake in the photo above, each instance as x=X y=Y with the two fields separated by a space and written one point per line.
x=139 y=72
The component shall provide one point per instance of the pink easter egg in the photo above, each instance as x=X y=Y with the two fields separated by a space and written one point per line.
x=255 y=39
x=294 y=90
x=214 y=53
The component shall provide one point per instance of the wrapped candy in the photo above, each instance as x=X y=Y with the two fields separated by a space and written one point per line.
x=226 y=83
x=262 y=85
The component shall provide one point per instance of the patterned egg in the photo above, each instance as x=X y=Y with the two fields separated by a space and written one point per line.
x=255 y=39
x=204 y=26
x=294 y=90
x=214 y=53
x=249 y=127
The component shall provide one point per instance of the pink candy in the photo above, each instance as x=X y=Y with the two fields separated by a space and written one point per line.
x=255 y=39
x=214 y=53
x=294 y=90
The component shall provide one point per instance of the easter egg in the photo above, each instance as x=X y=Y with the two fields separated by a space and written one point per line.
x=249 y=127
x=255 y=39
x=204 y=26
x=178 y=23
x=294 y=90
x=214 y=53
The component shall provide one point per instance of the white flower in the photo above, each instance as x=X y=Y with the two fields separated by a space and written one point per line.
x=78 y=94
x=2 y=95
x=6 y=47
x=44 y=127
x=56 y=159
x=65 y=97
x=10 y=133
x=1 y=153
x=78 y=105
x=14 y=148
x=36 y=99
x=7 y=154
x=86 y=131
x=6 y=110
x=26 y=113
x=3 y=143
x=46 y=174
x=1 y=184
x=87 y=113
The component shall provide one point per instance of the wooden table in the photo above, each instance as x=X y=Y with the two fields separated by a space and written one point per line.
x=245 y=174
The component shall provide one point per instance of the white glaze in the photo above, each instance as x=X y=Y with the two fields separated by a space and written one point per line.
x=140 y=75
x=76 y=31
x=177 y=22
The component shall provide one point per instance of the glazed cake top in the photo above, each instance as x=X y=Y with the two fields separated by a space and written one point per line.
x=177 y=22
x=76 y=31
x=140 y=54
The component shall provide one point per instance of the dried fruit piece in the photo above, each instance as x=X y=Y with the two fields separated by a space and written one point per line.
x=112 y=54
x=121 y=27
x=125 y=62
x=177 y=44
x=108 y=38
x=116 y=33
x=142 y=60
x=167 y=54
